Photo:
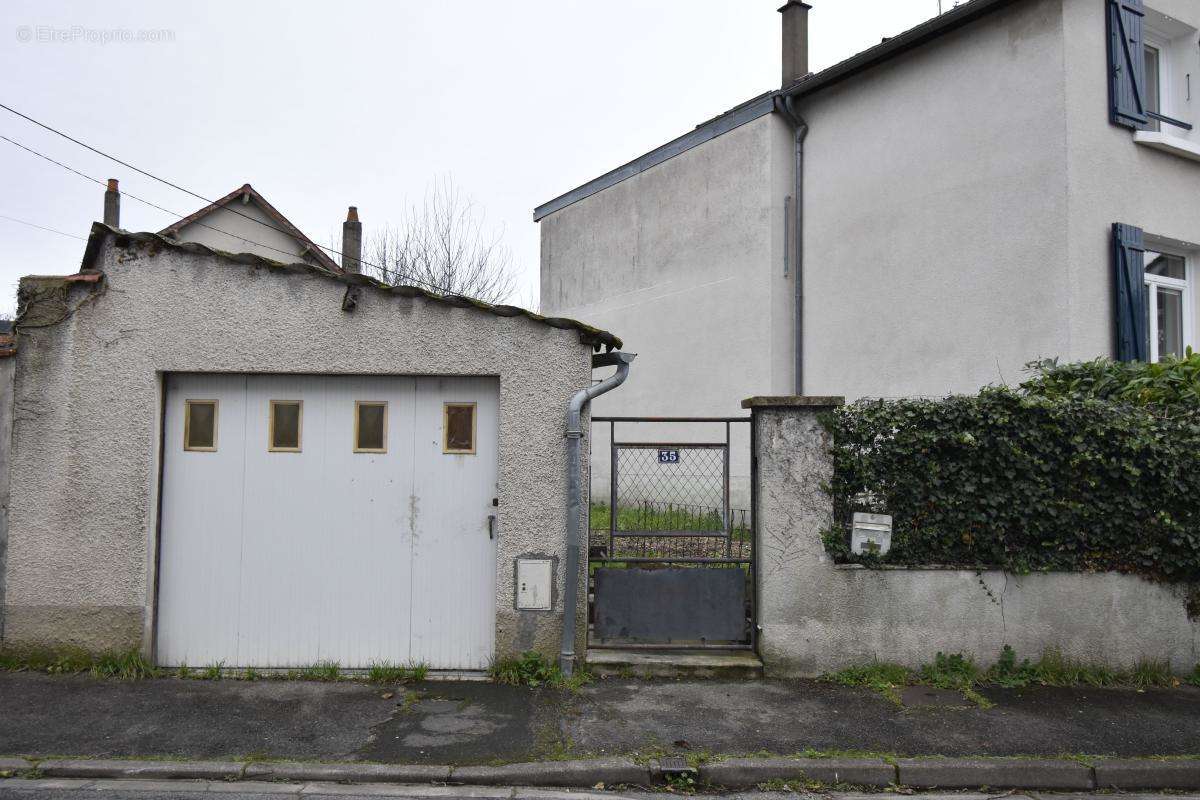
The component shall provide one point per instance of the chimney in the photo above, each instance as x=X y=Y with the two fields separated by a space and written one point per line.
x=795 y=41
x=352 y=241
x=112 y=205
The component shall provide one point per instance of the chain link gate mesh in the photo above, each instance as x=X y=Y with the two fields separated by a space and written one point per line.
x=670 y=560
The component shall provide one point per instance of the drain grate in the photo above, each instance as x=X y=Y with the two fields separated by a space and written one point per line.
x=675 y=765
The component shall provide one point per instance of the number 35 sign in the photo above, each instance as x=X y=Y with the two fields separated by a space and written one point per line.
x=668 y=456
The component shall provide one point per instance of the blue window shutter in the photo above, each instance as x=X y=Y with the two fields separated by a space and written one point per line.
x=1129 y=258
x=1126 y=63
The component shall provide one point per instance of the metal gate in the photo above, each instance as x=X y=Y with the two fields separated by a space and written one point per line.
x=671 y=559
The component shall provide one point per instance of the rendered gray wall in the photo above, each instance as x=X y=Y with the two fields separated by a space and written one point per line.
x=81 y=556
x=679 y=259
x=816 y=616
x=7 y=369
x=936 y=228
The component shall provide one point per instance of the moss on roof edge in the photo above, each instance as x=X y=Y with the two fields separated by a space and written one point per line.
x=588 y=334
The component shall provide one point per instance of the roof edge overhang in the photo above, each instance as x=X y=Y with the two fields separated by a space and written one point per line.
x=734 y=118
x=894 y=46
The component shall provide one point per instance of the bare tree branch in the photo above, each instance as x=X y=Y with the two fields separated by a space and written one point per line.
x=441 y=245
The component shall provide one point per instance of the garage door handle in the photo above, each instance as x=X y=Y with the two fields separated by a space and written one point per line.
x=491 y=526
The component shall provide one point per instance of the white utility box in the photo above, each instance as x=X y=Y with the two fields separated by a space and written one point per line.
x=535 y=579
x=871 y=533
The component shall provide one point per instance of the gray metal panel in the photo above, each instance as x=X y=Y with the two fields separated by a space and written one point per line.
x=665 y=605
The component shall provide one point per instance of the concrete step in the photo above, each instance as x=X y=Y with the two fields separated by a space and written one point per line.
x=734 y=664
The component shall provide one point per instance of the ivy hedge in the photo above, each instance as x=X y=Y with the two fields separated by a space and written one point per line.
x=1175 y=381
x=1042 y=478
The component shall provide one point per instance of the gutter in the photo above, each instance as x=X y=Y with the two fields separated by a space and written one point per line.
x=786 y=105
x=566 y=658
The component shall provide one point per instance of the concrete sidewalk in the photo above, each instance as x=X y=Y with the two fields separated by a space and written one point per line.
x=460 y=724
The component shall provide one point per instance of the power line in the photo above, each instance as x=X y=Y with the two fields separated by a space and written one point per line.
x=41 y=227
x=177 y=215
x=87 y=146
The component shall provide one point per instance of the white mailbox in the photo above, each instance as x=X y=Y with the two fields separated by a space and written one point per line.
x=871 y=533
x=534 y=583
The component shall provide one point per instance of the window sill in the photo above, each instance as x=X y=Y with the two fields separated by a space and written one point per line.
x=1168 y=144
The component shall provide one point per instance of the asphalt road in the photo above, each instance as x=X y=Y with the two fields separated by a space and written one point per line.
x=480 y=723
x=200 y=790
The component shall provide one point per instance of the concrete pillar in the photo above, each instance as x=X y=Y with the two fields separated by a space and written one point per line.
x=352 y=242
x=795 y=41
x=112 y=205
x=794 y=467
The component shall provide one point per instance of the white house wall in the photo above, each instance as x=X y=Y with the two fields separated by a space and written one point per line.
x=935 y=214
x=88 y=394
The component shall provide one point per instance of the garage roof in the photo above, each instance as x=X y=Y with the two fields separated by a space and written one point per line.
x=100 y=232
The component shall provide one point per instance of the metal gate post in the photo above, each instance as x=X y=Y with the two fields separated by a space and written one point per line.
x=612 y=488
x=725 y=499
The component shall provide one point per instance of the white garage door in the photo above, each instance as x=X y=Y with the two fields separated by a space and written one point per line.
x=322 y=518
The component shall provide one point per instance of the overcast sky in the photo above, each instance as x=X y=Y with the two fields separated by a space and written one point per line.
x=324 y=105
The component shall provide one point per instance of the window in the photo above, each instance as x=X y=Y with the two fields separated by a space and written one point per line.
x=284 y=433
x=1167 y=305
x=370 y=426
x=200 y=425
x=459 y=428
x=1153 y=56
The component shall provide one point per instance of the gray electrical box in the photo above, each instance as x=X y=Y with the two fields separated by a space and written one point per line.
x=535 y=581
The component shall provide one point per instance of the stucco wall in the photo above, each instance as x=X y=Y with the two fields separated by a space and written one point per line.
x=89 y=403
x=816 y=616
x=7 y=369
x=936 y=206
x=1112 y=179
x=681 y=259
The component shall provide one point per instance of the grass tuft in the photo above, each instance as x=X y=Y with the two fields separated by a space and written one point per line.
x=387 y=672
x=129 y=665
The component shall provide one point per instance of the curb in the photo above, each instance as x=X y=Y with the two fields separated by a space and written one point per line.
x=745 y=773
x=733 y=773
x=994 y=773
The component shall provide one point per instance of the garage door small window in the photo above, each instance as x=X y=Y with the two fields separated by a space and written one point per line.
x=459 y=425
x=370 y=426
x=200 y=425
x=285 y=426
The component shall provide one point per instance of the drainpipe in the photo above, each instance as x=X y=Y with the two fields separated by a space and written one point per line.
x=786 y=105
x=566 y=658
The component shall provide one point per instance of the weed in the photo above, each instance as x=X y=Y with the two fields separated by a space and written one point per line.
x=681 y=782
x=387 y=672
x=1152 y=673
x=533 y=669
x=1055 y=669
x=54 y=661
x=129 y=665
x=1194 y=678
x=880 y=676
x=953 y=671
x=213 y=672
x=321 y=671
x=182 y=672
x=251 y=674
